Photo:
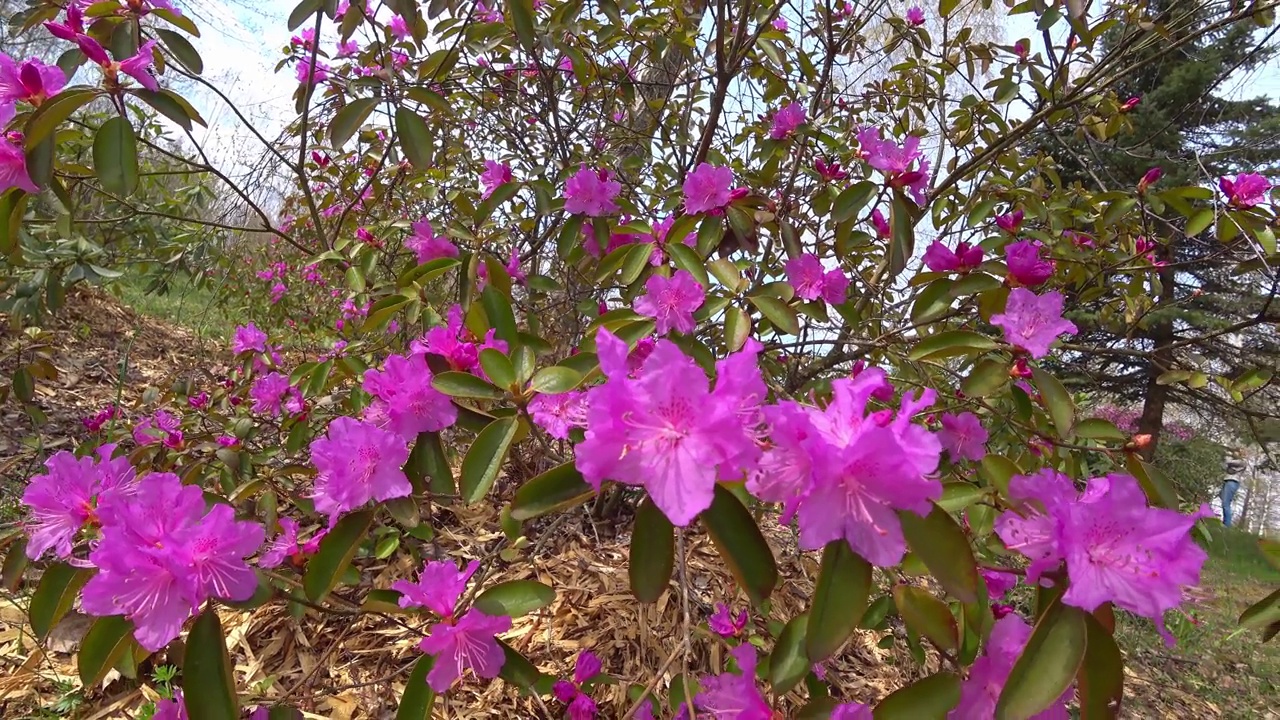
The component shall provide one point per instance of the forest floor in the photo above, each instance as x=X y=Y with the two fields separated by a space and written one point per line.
x=107 y=352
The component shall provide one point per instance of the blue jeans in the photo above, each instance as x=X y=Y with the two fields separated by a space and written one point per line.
x=1229 y=489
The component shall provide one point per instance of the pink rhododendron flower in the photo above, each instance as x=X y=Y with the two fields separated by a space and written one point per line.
x=940 y=258
x=1026 y=266
x=780 y=24
x=659 y=238
x=309 y=74
x=173 y=709
x=439 y=587
x=469 y=643
x=829 y=171
x=357 y=462
x=1130 y=104
x=162 y=555
x=199 y=401
x=963 y=437
x=13 y=159
x=283 y=545
x=666 y=430
x=591 y=193
x=249 y=338
x=573 y=694
x=64 y=499
x=915 y=15
x=851 y=711
x=95 y=424
x=811 y=281
x=139 y=65
x=1246 y=191
x=724 y=623
x=989 y=672
x=485 y=13
x=902 y=167
x=786 y=120
x=672 y=301
x=558 y=414
x=1032 y=322
x=268 y=392
x=399 y=28
x=1149 y=178
x=708 y=188
x=410 y=403
x=735 y=696
x=1010 y=222
x=883 y=231
x=495 y=175
x=998 y=583
x=162 y=427
x=30 y=81
x=453 y=342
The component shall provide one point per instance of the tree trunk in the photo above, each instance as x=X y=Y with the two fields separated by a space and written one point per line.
x=1156 y=395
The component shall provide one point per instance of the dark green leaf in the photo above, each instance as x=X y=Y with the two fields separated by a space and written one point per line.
x=950 y=344
x=107 y=640
x=1262 y=613
x=336 y=551
x=349 y=119
x=52 y=112
x=515 y=598
x=653 y=547
x=465 y=385
x=787 y=663
x=40 y=162
x=522 y=17
x=928 y=699
x=516 y=668
x=555 y=380
x=739 y=541
x=840 y=598
x=208 y=684
x=559 y=488
x=415 y=137
x=782 y=315
x=938 y=540
x=15 y=562
x=54 y=596
x=686 y=258
x=497 y=367
x=418 y=695
x=301 y=12
x=1047 y=666
x=927 y=616
x=852 y=200
x=1100 y=684
x=988 y=376
x=497 y=307
x=115 y=156
x=902 y=223
x=182 y=50
x=1062 y=409
x=484 y=460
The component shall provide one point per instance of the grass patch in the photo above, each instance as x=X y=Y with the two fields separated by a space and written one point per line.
x=182 y=302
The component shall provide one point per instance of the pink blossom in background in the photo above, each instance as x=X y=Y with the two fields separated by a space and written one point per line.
x=989 y=672
x=488 y=13
x=1032 y=322
x=902 y=166
x=468 y=644
x=1026 y=264
x=806 y=274
x=851 y=711
x=448 y=342
x=284 y=545
x=399 y=28
x=304 y=39
x=659 y=238
x=558 y=414
x=735 y=696
x=939 y=258
x=998 y=583
x=161 y=427
x=786 y=120
x=412 y=404
x=672 y=301
x=709 y=187
x=99 y=420
x=428 y=246
x=63 y=499
x=780 y=24
x=724 y=623
x=915 y=15
x=829 y=171
x=357 y=462
x=517 y=275
x=591 y=192
x=173 y=709
x=1246 y=190
x=883 y=231
x=495 y=175
x=665 y=429
x=278 y=292
x=1149 y=178
x=268 y=392
x=139 y=66
x=1130 y=104
x=248 y=338
x=227 y=441
x=13 y=160
x=309 y=74
x=963 y=437
x=29 y=81
x=439 y=587
x=1010 y=222
x=349 y=48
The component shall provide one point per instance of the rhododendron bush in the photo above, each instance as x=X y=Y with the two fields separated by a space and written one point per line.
x=689 y=270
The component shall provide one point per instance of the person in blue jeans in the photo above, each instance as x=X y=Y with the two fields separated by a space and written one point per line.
x=1230 y=485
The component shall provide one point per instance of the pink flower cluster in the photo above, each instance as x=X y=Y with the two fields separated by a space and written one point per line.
x=357 y=462
x=160 y=427
x=902 y=166
x=1115 y=547
x=574 y=695
x=811 y=281
x=428 y=246
x=591 y=192
x=939 y=258
x=404 y=397
x=1033 y=322
x=1246 y=190
x=453 y=342
x=559 y=414
x=456 y=643
x=671 y=301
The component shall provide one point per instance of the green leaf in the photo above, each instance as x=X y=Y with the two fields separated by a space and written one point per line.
x=1062 y=409
x=484 y=460
x=1153 y=482
x=1199 y=223
x=927 y=616
x=182 y=22
x=55 y=595
x=636 y=261
x=1270 y=550
x=959 y=495
x=52 y=112
x=840 y=598
x=1048 y=664
x=902 y=223
x=415 y=137
x=653 y=547
x=559 y=488
x=555 y=380
x=1099 y=429
x=169 y=105
x=739 y=541
x=40 y=162
x=1100 y=684
x=418 y=696
x=516 y=668
x=686 y=258
x=182 y=50
x=1262 y=613
x=427 y=461
x=988 y=376
x=938 y=540
x=522 y=17
x=336 y=551
x=782 y=316
x=787 y=663
x=208 y=684
x=933 y=302
x=501 y=194
x=928 y=699
x=498 y=367
x=466 y=385
x=515 y=598
x=950 y=344
x=15 y=562
x=349 y=119
x=115 y=156
x=107 y=640
x=301 y=12
x=497 y=307
x=852 y=200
